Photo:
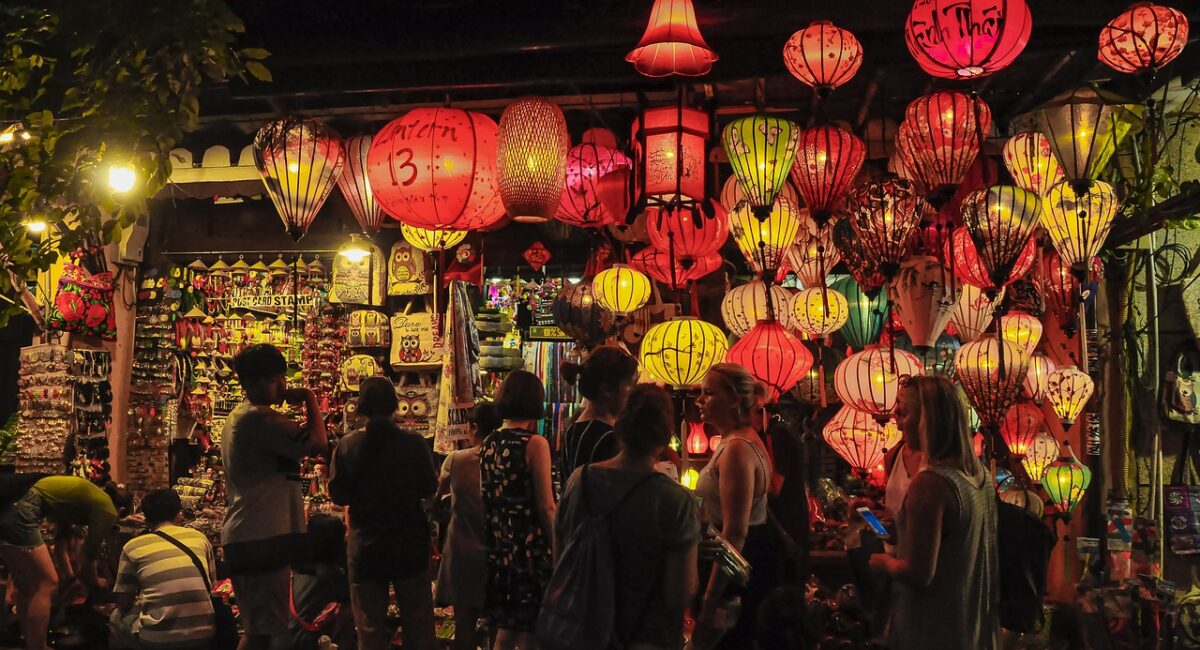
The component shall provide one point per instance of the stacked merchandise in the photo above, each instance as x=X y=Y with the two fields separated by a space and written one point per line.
x=93 y=414
x=203 y=497
x=500 y=346
x=325 y=348
x=47 y=408
x=153 y=406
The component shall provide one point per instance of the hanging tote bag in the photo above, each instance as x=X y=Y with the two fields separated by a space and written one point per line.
x=415 y=345
x=408 y=271
x=368 y=329
x=359 y=282
x=417 y=404
x=355 y=369
x=84 y=304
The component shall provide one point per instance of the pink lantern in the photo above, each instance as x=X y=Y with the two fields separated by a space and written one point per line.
x=587 y=163
x=823 y=56
x=966 y=39
x=773 y=355
x=672 y=44
x=1037 y=379
x=969 y=267
x=356 y=187
x=939 y=139
x=1146 y=37
x=860 y=439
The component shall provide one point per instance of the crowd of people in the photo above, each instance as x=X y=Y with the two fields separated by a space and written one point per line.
x=587 y=536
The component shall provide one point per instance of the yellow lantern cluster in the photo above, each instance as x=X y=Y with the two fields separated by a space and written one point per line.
x=621 y=289
x=432 y=240
x=1069 y=390
x=820 y=311
x=680 y=351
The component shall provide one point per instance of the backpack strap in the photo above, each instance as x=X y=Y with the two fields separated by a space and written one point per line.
x=188 y=552
x=620 y=502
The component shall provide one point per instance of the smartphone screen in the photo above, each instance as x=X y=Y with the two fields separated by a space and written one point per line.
x=873 y=522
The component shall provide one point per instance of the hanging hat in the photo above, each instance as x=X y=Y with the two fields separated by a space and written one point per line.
x=198 y=266
x=280 y=268
x=219 y=267
x=301 y=267
x=260 y=266
x=195 y=313
x=316 y=268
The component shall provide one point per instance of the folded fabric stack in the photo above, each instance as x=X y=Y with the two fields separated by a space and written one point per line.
x=493 y=325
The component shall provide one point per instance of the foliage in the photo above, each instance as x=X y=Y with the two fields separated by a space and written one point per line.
x=8 y=439
x=95 y=84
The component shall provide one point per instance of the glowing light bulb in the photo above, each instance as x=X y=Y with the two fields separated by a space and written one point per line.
x=293 y=168
x=6 y=137
x=121 y=178
x=36 y=226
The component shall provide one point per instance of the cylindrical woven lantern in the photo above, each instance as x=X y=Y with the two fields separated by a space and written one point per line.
x=744 y=305
x=661 y=267
x=859 y=438
x=1067 y=480
x=580 y=315
x=687 y=233
x=761 y=151
x=587 y=164
x=621 y=289
x=969 y=267
x=432 y=240
x=765 y=242
x=828 y=160
x=773 y=355
x=356 y=187
x=823 y=56
x=531 y=150
x=1078 y=223
x=1143 y=38
x=1038 y=456
x=966 y=39
x=867 y=312
x=668 y=140
x=1022 y=329
x=884 y=215
x=1020 y=427
x=924 y=295
x=1069 y=390
x=1083 y=132
x=680 y=351
x=991 y=373
x=300 y=160
x=939 y=139
x=813 y=255
x=435 y=168
x=870 y=380
x=1037 y=378
x=672 y=44
x=1031 y=162
x=820 y=311
x=1001 y=221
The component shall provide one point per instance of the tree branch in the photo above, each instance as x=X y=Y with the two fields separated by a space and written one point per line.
x=1181 y=206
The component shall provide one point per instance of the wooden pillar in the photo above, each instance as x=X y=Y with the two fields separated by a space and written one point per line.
x=125 y=310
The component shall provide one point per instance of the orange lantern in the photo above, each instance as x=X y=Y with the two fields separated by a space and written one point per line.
x=823 y=56
x=773 y=355
x=435 y=168
x=697 y=441
x=688 y=234
x=670 y=271
x=670 y=143
x=1020 y=427
x=860 y=439
x=828 y=160
x=957 y=39
x=531 y=152
x=300 y=160
x=356 y=187
x=939 y=139
x=870 y=380
x=1144 y=38
x=672 y=44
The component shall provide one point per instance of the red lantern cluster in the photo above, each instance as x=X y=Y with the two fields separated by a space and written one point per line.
x=939 y=138
x=773 y=355
x=1144 y=38
x=823 y=56
x=672 y=44
x=827 y=161
x=967 y=39
x=688 y=234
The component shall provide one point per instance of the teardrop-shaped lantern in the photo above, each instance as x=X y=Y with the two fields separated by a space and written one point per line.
x=924 y=296
x=1031 y=162
x=1038 y=456
x=828 y=160
x=688 y=233
x=1067 y=480
x=697 y=440
x=761 y=150
x=823 y=56
x=1020 y=427
x=661 y=267
x=356 y=187
x=969 y=266
x=432 y=240
x=953 y=39
x=1061 y=287
x=1083 y=131
x=1022 y=329
x=765 y=242
x=1037 y=378
x=773 y=355
x=939 y=140
x=820 y=311
x=991 y=373
x=859 y=438
x=1144 y=38
x=732 y=195
x=884 y=215
x=1069 y=390
x=867 y=312
x=1078 y=222
x=672 y=44
x=588 y=163
x=745 y=305
x=813 y=255
x=580 y=315
x=972 y=314
x=621 y=289
x=863 y=265
x=300 y=160
x=1001 y=220
x=870 y=380
x=531 y=149
x=680 y=351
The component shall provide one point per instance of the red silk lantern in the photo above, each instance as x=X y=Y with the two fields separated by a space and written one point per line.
x=991 y=373
x=870 y=380
x=697 y=440
x=658 y=264
x=859 y=438
x=1143 y=38
x=939 y=138
x=924 y=296
x=688 y=233
x=957 y=39
x=813 y=255
x=587 y=163
x=863 y=266
x=773 y=355
x=435 y=168
x=884 y=215
x=531 y=154
x=356 y=187
x=1020 y=427
x=827 y=161
x=970 y=268
x=672 y=44
x=300 y=160
x=823 y=56
x=670 y=145
x=1001 y=220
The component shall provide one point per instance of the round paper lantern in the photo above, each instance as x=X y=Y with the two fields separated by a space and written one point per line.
x=672 y=44
x=1143 y=38
x=356 y=187
x=670 y=144
x=732 y=195
x=1083 y=131
x=953 y=39
x=1031 y=162
x=860 y=439
x=432 y=240
x=773 y=355
x=300 y=160
x=621 y=289
x=680 y=351
x=823 y=56
x=814 y=254
x=828 y=160
x=661 y=267
x=991 y=373
x=1069 y=390
x=969 y=267
x=867 y=311
x=924 y=296
x=1038 y=456
x=765 y=242
x=1066 y=480
x=937 y=359
x=435 y=168
x=870 y=380
x=531 y=152
x=884 y=215
x=688 y=233
x=816 y=386
x=939 y=140
x=820 y=311
x=1020 y=427
x=745 y=305
x=1021 y=329
x=1078 y=222
x=1001 y=220
x=1037 y=378
x=861 y=262
x=587 y=164
x=761 y=151
x=577 y=313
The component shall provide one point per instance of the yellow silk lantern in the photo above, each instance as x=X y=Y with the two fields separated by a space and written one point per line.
x=1031 y=162
x=1021 y=328
x=745 y=305
x=765 y=242
x=1078 y=221
x=1038 y=455
x=432 y=240
x=820 y=311
x=680 y=351
x=621 y=289
x=761 y=150
x=1069 y=390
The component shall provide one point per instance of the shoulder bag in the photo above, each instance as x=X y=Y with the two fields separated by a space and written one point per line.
x=225 y=632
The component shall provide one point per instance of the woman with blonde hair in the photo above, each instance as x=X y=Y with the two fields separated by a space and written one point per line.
x=945 y=570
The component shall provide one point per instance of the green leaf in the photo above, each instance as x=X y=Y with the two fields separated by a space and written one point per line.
x=258 y=70
x=255 y=53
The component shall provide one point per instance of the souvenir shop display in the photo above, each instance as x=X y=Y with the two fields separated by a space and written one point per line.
x=83 y=303
x=325 y=350
x=408 y=271
x=359 y=279
x=93 y=413
x=152 y=415
x=416 y=341
x=47 y=408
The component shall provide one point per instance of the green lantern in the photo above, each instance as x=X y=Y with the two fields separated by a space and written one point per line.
x=867 y=313
x=761 y=151
x=1067 y=480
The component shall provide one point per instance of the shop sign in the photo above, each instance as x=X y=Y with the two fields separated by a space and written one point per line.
x=265 y=299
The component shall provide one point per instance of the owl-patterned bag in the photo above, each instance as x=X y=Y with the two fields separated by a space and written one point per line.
x=359 y=282
x=368 y=329
x=408 y=272
x=415 y=346
x=417 y=405
x=355 y=369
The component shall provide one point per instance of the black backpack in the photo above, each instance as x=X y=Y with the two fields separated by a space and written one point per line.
x=1024 y=544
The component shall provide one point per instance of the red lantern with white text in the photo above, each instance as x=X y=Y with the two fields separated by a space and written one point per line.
x=966 y=39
